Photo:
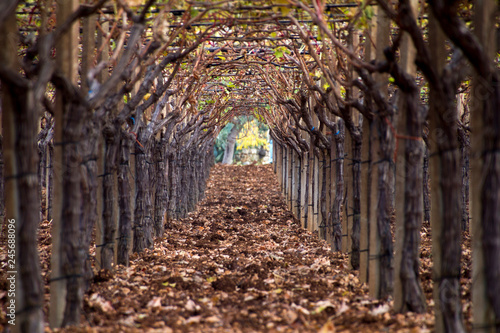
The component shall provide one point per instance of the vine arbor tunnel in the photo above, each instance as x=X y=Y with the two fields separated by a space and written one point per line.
x=375 y=110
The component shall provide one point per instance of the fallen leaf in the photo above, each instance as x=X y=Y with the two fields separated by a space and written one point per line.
x=160 y=330
x=191 y=306
x=380 y=310
x=290 y=316
x=343 y=308
x=193 y=320
x=212 y=319
x=97 y=301
x=322 y=305
x=301 y=309
x=154 y=303
x=328 y=327
x=129 y=321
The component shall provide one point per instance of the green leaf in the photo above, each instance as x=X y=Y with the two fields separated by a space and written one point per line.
x=369 y=12
x=194 y=12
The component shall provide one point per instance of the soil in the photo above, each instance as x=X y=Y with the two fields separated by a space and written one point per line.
x=241 y=263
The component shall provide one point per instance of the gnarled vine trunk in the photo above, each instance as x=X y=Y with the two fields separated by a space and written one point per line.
x=72 y=251
x=143 y=215
x=161 y=199
x=356 y=197
x=339 y=187
x=385 y=207
x=89 y=193
x=109 y=197
x=413 y=294
x=23 y=204
x=124 y=201
x=323 y=205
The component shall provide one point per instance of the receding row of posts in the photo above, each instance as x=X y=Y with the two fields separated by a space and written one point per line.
x=319 y=187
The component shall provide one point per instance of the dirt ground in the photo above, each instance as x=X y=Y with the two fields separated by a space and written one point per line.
x=241 y=263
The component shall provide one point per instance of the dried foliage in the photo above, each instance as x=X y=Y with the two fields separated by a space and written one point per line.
x=240 y=263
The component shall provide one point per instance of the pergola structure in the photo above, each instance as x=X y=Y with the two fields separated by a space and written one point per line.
x=145 y=87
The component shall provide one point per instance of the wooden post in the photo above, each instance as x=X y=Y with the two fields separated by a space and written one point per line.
x=303 y=189
x=310 y=184
x=289 y=177
x=284 y=153
x=353 y=164
x=382 y=40
x=407 y=63
x=328 y=202
x=104 y=56
x=279 y=161
x=116 y=215
x=347 y=212
x=365 y=203
x=295 y=184
x=67 y=62
x=286 y=176
x=316 y=193
x=282 y=159
x=484 y=316
x=274 y=155
x=366 y=169
x=283 y=172
x=329 y=180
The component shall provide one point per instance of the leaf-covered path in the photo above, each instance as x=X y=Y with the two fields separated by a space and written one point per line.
x=240 y=263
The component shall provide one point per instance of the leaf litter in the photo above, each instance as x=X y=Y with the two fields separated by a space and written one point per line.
x=241 y=263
